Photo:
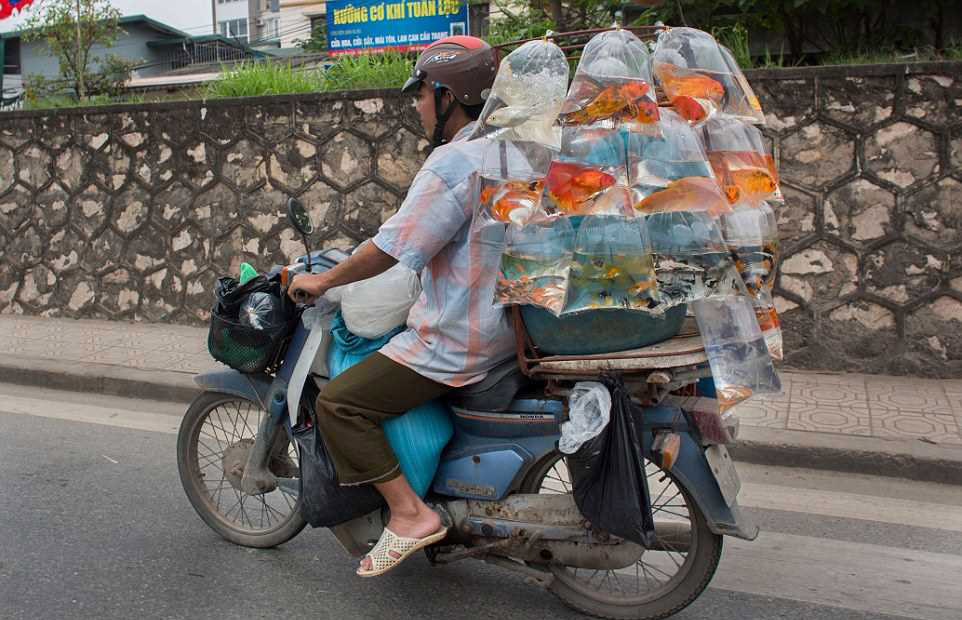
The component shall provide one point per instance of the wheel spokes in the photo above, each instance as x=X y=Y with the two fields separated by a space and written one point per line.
x=233 y=425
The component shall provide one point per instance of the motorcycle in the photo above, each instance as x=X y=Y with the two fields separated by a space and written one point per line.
x=502 y=486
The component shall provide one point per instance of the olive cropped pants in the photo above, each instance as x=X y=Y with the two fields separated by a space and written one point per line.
x=354 y=405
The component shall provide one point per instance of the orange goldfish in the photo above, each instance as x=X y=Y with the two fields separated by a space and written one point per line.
x=767 y=318
x=607 y=103
x=641 y=287
x=644 y=112
x=689 y=108
x=731 y=395
x=749 y=184
x=679 y=82
x=514 y=201
x=687 y=194
x=570 y=185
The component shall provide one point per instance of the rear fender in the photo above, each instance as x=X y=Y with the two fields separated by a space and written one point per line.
x=694 y=473
x=255 y=388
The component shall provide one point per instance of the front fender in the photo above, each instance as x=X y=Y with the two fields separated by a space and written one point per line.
x=694 y=473
x=255 y=388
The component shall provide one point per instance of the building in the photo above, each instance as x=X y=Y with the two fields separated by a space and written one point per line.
x=231 y=19
x=158 y=48
x=284 y=23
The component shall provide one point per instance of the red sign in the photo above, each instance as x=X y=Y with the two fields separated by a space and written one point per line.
x=7 y=7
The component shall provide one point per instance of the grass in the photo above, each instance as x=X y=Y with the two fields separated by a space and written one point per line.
x=735 y=38
x=388 y=70
x=882 y=56
x=68 y=101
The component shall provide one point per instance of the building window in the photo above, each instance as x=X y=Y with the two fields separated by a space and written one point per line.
x=234 y=28
x=271 y=28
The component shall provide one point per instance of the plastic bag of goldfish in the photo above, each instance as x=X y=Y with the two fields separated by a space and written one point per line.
x=609 y=201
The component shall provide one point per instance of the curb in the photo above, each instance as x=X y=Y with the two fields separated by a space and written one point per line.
x=109 y=379
x=914 y=460
x=896 y=458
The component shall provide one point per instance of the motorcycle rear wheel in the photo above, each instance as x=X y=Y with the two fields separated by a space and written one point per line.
x=678 y=577
x=214 y=424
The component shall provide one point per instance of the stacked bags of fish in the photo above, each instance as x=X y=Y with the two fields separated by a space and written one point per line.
x=600 y=199
x=519 y=125
x=705 y=87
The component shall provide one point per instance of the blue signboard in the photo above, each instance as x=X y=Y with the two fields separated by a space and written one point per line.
x=358 y=25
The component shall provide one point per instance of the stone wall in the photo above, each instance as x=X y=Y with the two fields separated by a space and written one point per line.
x=132 y=212
x=871 y=166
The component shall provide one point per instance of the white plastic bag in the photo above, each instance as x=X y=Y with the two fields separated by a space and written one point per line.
x=589 y=410
x=373 y=307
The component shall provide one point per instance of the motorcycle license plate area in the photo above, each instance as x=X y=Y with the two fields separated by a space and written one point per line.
x=723 y=468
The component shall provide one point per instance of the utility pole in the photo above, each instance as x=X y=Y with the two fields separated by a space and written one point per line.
x=213 y=16
x=80 y=70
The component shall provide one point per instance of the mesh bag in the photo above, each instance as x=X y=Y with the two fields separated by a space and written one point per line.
x=239 y=345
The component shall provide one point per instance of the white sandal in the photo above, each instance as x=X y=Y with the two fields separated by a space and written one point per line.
x=381 y=556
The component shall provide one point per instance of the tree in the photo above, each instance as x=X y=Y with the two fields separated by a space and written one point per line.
x=72 y=29
x=318 y=40
x=516 y=21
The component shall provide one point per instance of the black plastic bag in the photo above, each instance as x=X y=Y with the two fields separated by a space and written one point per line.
x=230 y=295
x=608 y=474
x=261 y=310
x=325 y=503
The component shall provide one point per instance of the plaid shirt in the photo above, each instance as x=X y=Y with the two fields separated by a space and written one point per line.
x=455 y=334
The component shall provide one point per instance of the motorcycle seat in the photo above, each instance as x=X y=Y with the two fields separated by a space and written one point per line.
x=495 y=392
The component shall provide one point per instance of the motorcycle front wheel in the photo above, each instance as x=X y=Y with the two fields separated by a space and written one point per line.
x=661 y=582
x=216 y=433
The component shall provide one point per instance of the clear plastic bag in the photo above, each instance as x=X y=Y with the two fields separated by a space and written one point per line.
x=597 y=146
x=375 y=306
x=701 y=79
x=753 y=242
x=535 y=264
x=691 y=194
x=571 y=188
x=752 y=238
x=612 y=266
x=691 y=258
x=744 y=167
x=655 y=162
x=613 y=85
x=512 y=182
x=740 y=363
x=589 y=410
x=527 y=95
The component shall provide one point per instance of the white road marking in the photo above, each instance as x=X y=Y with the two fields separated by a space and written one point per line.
x=852 y=506
x=874 y=578
x=76 y=412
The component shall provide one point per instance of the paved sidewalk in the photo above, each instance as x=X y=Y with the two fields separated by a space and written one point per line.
x=828 y=418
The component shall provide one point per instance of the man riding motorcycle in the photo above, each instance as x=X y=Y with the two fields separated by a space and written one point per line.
x=454 y=335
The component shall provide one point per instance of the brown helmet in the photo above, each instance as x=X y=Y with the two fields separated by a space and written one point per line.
x=464 y=65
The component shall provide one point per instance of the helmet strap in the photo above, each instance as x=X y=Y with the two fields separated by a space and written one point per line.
x=441 y=118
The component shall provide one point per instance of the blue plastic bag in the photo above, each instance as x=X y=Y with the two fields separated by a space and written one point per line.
x=418 y=436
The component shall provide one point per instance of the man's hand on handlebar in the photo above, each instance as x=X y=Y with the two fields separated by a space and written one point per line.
x=306 y=288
